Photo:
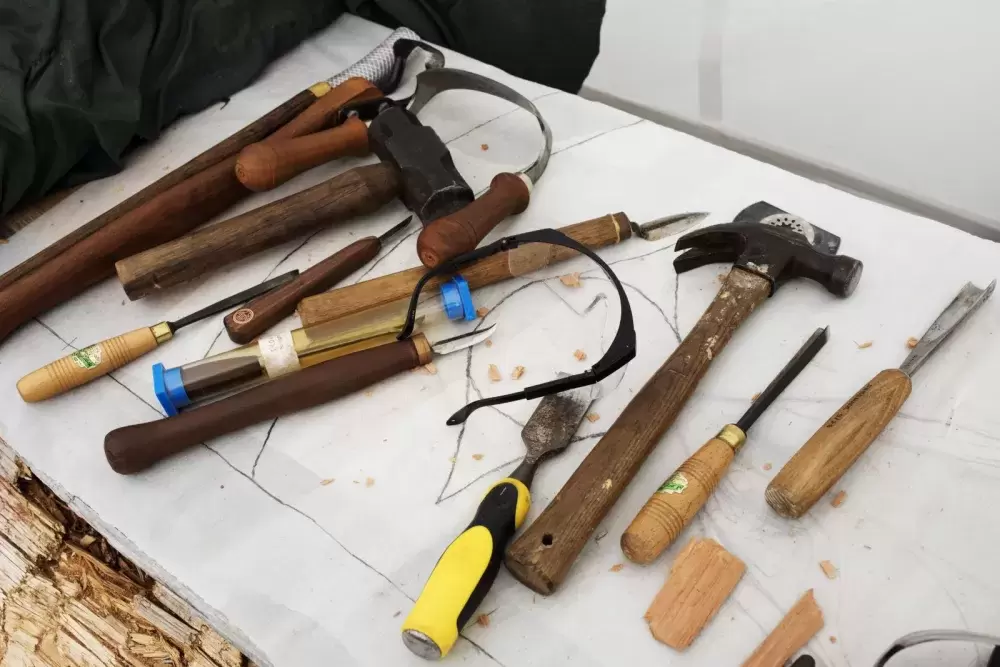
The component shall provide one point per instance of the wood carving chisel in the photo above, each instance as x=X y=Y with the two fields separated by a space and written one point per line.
x=109 y=355
x=847 y=434
x=131 y=449
x=684 y=493
x=265 y=311
x=468 y=567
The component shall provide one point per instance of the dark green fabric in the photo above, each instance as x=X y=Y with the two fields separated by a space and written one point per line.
x=82 y=80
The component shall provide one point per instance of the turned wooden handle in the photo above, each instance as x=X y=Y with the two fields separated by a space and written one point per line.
x=85 y=365
x=462 y=231
x=597 y=233
x=355 y=192
x=134 y=448
x=679 y=498
x=322 y=113
x=268 y=164
x=268 y=309
x=837 y=444
x=541 y=557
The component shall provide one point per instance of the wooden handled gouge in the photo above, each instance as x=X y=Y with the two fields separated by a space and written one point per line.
x=847 y=434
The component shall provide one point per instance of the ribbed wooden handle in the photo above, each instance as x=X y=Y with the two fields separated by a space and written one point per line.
x=837 y=444
x=541 y=557
x=88 y=364
x=268 y=309
x=597 y=233
x=461 y=232
x=268 y=164
x=675 y=503
x=355 y=192
x=134 y=448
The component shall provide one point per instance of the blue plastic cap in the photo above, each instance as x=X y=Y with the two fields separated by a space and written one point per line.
x=169 y=389
x=457 y=298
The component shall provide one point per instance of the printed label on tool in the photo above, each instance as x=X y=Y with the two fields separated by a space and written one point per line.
x=278 y=353
x=88 y=357
x=676 y=484
x=242 y=316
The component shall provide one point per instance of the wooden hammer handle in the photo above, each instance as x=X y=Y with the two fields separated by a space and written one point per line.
x=541 y=557
x=597 y=233
x=462 y=231
x=355 y=192
x=837 y=444
x=268 y=164
x=132 y=449
x=268 y=309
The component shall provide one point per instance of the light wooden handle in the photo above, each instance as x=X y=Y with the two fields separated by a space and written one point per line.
x=673 y=506
x=268 y=164
x=837 y=444
x=85 y=365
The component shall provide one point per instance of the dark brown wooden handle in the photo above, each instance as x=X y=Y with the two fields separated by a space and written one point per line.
x=322 y=113
x=355 y=192
x=597 y=233
x=253 y=132
x=541 y=557
x=461 y=232
x=268 y=164
x=265 y=311
x=838 y=443
x=134 y=448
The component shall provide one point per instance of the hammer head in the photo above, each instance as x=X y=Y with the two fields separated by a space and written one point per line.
x=774 y=244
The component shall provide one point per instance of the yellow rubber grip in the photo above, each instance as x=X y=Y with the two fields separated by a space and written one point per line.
x=85 y=365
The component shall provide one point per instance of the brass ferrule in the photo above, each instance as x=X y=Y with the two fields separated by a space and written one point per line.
x=732 y=435
x=161 y=332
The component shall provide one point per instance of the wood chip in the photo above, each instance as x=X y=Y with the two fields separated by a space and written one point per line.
x=494 y=373
x=370 y=482
x=617 y=567
x=839 y=499
x=328 y=481
x=829 y=569
x=593 y=417
x=488 y=343
x=794 y=631
x=483 y=620
x=580 y=355
x=722 y=277
x=477 y=457
x=482 y=312
x=570 y=279
x=766 y=466
x=865 y=345
x=700 y=580
x=517 y=373
x=484 y=147
x=430 y=368
x=451 y=459
x=87 y=540
x=833 y=639
x=369 y=393
x=911 y=342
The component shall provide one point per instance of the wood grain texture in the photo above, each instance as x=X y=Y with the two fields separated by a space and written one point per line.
x=837 y=444
x=268 y=164
x=460 y=232
x=541 y=557
x=355 y=192
x=74 y=370
x=268 y=309
x=798 y=626
x=596 y=233
x=134 y=448
x=253 y=132
x=676 y=502
x=700 y=580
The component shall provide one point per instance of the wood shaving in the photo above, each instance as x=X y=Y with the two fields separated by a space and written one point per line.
x=451 y=459
x=369 y=393
x=87 y=540
x=517 y=373
x=839 y=499
x=766 y=466
x=494 y=373
x=617 y=567
x=482 y=312
x=430 y=368
x=593 y=417
x=833 y=639
x=570 y=279
x=580 y=355
x=370 y=482
x=488 y=343
x=483 y=620
x=755 y=396
x=477 y=457
x=327 y=482
x=911 y=342
x=865 y=345
x=722 y=277
x=829 y=569
x=484 y=147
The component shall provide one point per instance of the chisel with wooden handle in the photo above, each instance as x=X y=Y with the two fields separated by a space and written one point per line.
x=132 y=449
x=109 y=355
x=684 y=493
x=835 y=447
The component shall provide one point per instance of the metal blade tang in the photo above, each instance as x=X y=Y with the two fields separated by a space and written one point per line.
x=553 y=423
x=969 y=299
x=654 y=230
x=462 y=341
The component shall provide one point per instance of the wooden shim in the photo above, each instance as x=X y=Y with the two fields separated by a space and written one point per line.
x=700 y=580
x=798 y=626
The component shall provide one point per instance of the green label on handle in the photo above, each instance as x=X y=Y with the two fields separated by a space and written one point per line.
x=88 y=357
x=676 y=484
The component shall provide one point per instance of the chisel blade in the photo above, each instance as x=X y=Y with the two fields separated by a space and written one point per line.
x=553 y=423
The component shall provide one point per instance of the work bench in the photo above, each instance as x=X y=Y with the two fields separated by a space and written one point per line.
x=305 y=540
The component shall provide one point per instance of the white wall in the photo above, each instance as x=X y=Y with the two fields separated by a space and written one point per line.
x=896 y=98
